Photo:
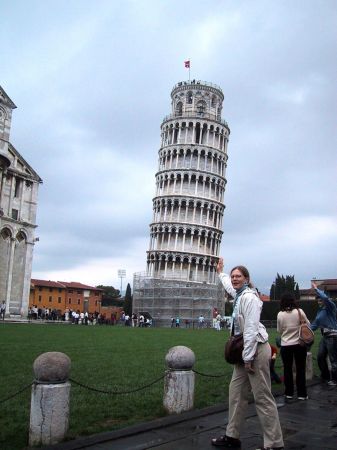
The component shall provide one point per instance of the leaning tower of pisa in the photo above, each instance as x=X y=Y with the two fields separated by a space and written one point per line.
x=188 y=206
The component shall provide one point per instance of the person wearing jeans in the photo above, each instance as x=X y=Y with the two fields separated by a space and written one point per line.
x=326 y=320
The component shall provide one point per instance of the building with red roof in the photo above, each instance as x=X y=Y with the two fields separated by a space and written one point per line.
x=62 y=295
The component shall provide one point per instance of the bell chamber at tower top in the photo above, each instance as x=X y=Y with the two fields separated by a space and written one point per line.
x=196 y=117
x=197 y=99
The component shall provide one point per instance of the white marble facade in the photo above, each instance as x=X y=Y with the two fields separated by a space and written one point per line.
x=19 y=185
x=188 y=207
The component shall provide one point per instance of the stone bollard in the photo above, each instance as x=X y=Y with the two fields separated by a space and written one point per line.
x=179 y=380
x=49 y=410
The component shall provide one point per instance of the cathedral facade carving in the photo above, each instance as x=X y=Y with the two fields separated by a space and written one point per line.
x=19 y=185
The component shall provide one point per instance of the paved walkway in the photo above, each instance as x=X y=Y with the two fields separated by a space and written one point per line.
x=310 y=425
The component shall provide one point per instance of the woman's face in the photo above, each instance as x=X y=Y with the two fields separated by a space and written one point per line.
x=238 y=279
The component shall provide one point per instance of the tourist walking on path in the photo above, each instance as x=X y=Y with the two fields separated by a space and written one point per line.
x=253 y=375
x=326 y=320
x=201 y=321
x=288 y=325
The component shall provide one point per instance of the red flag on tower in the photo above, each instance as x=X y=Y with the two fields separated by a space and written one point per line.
x=187 y=64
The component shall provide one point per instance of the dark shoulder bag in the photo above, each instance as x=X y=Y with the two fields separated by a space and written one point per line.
x=234 y=348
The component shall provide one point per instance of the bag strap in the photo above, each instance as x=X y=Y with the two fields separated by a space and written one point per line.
x=232 y=328
x=300 y=317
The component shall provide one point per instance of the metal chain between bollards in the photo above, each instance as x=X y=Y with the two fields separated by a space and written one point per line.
x=209 y=375
x=17 y=393
x=101 y=391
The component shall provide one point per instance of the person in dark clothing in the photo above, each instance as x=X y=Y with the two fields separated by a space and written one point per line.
x=326 y=320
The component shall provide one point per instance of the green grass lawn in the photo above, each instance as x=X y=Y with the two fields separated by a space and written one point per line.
x=110 y=358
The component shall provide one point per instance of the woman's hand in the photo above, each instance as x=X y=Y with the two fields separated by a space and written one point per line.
x=249 y=367
x=219 y=267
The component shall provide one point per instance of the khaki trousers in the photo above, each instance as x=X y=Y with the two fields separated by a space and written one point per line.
x=259 y=383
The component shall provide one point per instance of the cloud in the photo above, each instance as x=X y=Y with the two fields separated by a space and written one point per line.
x=92 y=85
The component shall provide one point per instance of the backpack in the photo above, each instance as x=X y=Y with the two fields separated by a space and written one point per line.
x=305 y=334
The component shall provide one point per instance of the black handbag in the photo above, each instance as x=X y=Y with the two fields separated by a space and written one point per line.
x=234 y=349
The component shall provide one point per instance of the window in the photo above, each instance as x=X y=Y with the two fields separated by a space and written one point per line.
x=40 y=288
x=50 y=299
x=96 y=293
x=69 y=300
x=78 y=301
x=60 y=290
x=201 y=107
x=70 y=291
x=59 y=299
x=179 y=109
x=5 y=233
x=17 y=187
x=15 y=214
x=40 y=298
x=50 y=289
x=79 y=292
x=189 y=97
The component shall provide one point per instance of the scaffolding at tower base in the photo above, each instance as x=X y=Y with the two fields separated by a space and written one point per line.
x=165 y=299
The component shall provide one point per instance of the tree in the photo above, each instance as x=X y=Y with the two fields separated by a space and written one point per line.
x=110 y=296
x=284 y=284
x=110 y=291
x=128 y=300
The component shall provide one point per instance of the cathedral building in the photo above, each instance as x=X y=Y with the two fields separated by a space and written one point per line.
x=19 y=185
x=188 y=208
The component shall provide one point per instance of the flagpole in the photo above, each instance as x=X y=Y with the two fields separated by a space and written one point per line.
x=188 y=66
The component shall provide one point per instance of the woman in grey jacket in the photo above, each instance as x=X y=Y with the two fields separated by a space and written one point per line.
x=253 y=375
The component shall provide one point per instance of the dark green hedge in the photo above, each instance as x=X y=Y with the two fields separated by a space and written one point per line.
x=270 y=309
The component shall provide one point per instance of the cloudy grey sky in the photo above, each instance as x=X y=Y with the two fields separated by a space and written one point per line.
x=92 y=83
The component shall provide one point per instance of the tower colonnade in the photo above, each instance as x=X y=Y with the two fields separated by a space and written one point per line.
x=185 y=233
x=188 y=209
x=204 y=159
x=194 y=132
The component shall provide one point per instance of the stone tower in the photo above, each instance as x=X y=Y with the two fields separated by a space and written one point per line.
x=19 y=185
x=186 y=228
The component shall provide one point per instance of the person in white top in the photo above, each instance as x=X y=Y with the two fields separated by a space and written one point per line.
x=288 y=323
x=253 y=374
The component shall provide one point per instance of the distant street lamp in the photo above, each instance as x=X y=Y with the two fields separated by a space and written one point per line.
x=121 y=275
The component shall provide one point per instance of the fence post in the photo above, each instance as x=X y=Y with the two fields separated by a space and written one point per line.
x=179 y=380
x=49 y=410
